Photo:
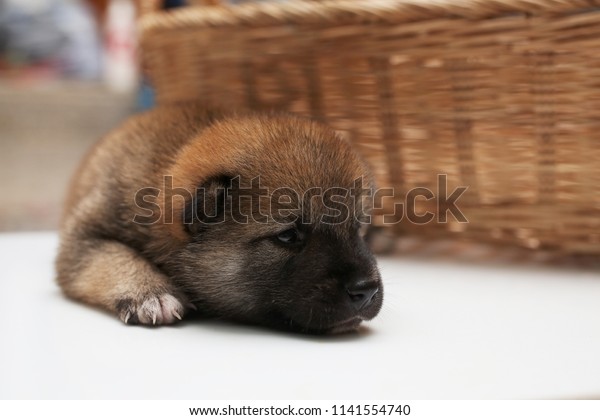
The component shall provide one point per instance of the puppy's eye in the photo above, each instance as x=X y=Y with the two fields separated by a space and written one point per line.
x=289 y=237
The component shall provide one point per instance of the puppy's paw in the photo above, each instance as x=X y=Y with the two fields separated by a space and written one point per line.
x=151 y=310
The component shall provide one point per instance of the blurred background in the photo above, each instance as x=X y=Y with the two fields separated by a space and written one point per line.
x=68 y=74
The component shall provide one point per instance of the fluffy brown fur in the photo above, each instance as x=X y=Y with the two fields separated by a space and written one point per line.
x=151 y=272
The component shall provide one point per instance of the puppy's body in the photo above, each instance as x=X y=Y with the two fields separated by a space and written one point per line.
x=152 y=270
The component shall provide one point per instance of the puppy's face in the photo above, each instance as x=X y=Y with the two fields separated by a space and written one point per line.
x=278 y=240
x=319 y=279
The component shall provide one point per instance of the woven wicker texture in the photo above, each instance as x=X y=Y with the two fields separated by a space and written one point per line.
x=502 y=96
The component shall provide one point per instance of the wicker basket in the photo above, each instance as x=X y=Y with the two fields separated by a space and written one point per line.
x=503 y=96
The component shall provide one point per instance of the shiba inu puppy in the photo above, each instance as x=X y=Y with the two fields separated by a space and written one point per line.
x=253 y=218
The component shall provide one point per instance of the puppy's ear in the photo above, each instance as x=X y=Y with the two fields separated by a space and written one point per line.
x=208 y=205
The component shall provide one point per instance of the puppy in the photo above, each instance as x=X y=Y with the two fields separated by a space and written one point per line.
x=252 y=218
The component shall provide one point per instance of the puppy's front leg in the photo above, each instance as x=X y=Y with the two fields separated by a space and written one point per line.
x=113 y=276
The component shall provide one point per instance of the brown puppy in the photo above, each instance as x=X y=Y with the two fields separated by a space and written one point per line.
x=251 y=218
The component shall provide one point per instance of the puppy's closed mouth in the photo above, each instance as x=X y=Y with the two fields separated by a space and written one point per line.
x=346 y=326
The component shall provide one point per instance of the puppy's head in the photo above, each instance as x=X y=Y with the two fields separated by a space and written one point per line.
x=275 y=228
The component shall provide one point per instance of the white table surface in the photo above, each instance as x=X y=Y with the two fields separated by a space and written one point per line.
x=446 y=331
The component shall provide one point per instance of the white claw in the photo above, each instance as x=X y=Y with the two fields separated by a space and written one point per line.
x=192 y=306
x=155 y=310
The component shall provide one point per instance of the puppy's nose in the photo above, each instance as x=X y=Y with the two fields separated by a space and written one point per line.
x=361 y=293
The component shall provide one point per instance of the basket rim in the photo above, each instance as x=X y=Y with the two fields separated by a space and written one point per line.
x=340 y=12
